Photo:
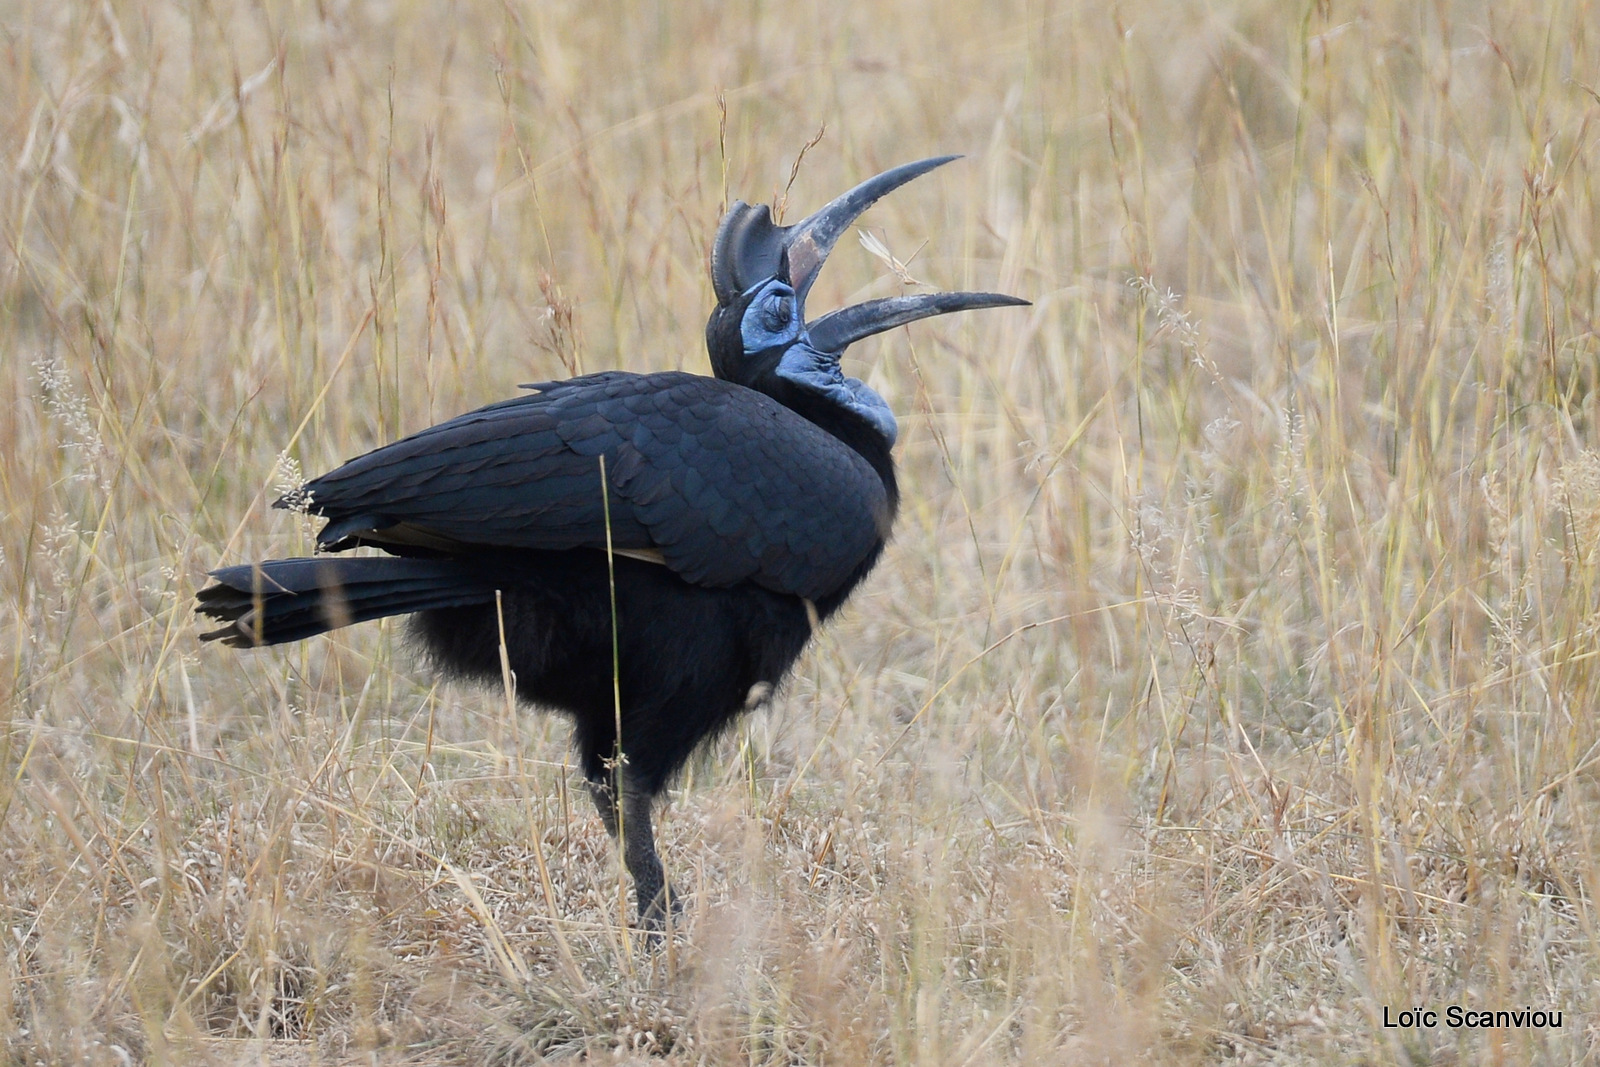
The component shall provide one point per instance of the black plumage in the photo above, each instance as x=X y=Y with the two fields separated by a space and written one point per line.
x=725 y=482
x=661 y=544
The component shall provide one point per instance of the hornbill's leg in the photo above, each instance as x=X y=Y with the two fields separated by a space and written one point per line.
x=638 y=846
x=605 y=804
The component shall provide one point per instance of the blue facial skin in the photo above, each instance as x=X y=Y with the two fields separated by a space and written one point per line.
x=771 y=321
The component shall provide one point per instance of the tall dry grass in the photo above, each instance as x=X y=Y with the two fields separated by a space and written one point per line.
x=1233 y=672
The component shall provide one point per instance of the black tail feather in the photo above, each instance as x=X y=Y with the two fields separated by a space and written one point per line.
x=283 y=600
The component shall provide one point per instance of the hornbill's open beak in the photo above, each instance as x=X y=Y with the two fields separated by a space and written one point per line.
x=837 y=330
x=750 y=248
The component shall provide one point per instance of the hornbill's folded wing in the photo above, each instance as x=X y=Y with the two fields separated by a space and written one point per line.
x=726 y=483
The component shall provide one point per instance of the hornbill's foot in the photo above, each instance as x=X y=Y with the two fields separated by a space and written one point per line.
x=656 y=911
x=630 y=821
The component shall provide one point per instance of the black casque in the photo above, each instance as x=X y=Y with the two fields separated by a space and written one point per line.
x=737 y=509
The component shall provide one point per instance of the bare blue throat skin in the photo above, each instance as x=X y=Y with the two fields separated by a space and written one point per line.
x=819 y=372
x=772 y=320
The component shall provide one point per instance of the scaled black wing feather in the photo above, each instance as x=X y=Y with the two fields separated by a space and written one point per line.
x=725 y=482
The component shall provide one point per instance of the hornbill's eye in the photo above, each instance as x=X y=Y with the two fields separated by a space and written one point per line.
x=776 y=311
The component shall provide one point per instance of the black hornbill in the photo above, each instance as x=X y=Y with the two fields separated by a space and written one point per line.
x=661 y=544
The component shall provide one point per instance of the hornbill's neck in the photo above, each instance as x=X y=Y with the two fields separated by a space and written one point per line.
x=853 y=429
x=762 y=372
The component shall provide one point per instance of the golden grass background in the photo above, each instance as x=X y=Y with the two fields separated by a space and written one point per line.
x=1232 y=674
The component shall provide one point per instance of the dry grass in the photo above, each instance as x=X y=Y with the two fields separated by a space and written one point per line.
x=1233 y=673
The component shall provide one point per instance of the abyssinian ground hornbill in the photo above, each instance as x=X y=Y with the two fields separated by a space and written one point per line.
x=662 y=544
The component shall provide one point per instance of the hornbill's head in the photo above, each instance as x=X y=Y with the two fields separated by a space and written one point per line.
x=758 y=335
